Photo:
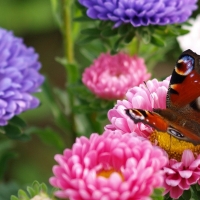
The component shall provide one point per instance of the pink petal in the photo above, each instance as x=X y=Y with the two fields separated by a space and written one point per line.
x=185 y=173
x=176 y=192
x=187 y=158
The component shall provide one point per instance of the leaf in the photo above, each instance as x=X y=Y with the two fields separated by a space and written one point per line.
x=81 y=92
x=49 y=136
x=186 y=194
x=12 y=131
x=129 y=37
x=124 y=29
x=109 y=32
x=86 y=40
x=156 y=40
x=157 y=194
x=91 y=31
x=18 y=122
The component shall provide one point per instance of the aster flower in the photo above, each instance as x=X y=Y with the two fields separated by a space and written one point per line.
x=109 y=166
x=149 y=96
x=192 y=39
x=140 y=13
x=179 y=176
x=19 y=76
x=110 y=76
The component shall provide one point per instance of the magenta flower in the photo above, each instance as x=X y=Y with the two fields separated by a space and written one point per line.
x=109 y=166
x=110 y=76
x=149 y=96
x=180 y=175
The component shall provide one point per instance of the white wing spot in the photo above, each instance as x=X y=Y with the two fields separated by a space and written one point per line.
x=191 y=75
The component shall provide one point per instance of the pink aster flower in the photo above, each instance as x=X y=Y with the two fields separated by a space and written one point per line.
x=149 y=96
x=179 y=176
x=110 y=76
x=109 y=166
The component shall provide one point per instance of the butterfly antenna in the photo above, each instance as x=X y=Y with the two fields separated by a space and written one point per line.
x=152 y=98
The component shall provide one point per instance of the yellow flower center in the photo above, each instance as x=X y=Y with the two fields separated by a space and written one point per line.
x=173 y=146
x=107 y=173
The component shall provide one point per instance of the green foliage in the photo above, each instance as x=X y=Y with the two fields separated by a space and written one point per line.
x=15 y=129
x=157 y=194
x=36 y=189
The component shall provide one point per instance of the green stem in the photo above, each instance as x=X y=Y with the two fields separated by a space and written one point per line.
x=69 y=55
x=67 y=29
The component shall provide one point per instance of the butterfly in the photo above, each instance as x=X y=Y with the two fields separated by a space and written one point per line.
x=181 y=118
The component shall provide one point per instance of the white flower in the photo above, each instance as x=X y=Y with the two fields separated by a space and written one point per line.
x=192 y=39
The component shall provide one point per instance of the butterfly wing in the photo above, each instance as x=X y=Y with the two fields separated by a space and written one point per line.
x=147 y=117
x=182 y=116
x=184 y=85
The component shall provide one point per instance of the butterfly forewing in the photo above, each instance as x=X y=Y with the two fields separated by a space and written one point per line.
x=181 y=118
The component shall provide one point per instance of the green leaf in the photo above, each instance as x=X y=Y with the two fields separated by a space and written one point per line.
x=129 y=37
x=124 y=29
x=50 y=137
x=31 y=191
x=186 y=194
x=86 y=40
x=197 y=187
x=157 y=194
x=44 y=188
x=22 y=195
x=14 y=198
x=36 y=186
x=12 y=131
x=17 y=121
x=91 y=31
x=183 y=31
x=108 y=32
x=157 y=40
x=81 y=92
x=117 y=44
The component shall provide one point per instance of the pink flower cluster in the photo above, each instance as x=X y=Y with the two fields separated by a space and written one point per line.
x=110 y=76
x=149 y=96
x=109 y=166
x=121 y=163
x=179 y=176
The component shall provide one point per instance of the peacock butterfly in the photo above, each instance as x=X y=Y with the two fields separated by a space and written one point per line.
x=181 y=118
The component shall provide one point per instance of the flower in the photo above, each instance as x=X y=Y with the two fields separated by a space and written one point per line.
x=110 y=76
x=19 y=76
x=109 y=166
x=180 y=175
x=149 y=96
x=192 y=39
x=140 y=13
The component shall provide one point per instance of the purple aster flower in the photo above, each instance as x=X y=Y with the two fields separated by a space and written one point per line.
x=19 y=76
x=140 y=12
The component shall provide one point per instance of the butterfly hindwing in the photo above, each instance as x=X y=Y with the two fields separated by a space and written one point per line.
x=185 y=80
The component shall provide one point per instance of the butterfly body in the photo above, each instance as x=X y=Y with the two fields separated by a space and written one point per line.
x=181 y=118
